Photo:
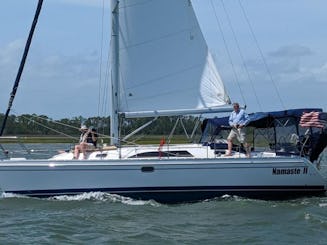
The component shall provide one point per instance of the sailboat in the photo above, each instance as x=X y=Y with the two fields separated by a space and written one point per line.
x=162 y=67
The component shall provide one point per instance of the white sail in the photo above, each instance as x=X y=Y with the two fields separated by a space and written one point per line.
x=165 y=66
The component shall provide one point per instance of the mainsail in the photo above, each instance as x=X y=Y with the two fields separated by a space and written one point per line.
x=165 y=67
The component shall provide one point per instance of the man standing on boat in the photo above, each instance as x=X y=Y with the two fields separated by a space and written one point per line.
x=237 y=120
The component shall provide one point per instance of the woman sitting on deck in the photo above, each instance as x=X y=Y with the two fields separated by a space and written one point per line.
x=88 y=141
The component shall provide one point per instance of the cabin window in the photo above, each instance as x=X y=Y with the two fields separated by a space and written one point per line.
x=163 y=154
x=102 y=155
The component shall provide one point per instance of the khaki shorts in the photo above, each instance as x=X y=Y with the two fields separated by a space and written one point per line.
x=238 y=133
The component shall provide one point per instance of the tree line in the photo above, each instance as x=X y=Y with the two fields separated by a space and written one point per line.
x=42 y=125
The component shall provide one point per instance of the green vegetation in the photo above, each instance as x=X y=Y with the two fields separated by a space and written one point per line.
x=32 y=128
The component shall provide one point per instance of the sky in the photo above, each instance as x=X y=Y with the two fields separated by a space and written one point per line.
x=273 y=57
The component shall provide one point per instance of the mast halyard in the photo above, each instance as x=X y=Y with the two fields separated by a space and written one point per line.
x=114 y=122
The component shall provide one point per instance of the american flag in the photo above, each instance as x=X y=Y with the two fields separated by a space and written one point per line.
x=312 y=119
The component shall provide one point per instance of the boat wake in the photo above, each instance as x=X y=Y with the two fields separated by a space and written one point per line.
x=227 y=197
x=88 y=196
x=11 y=195
x=103 y=197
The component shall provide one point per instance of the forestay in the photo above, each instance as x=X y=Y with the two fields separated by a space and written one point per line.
x=165 y=66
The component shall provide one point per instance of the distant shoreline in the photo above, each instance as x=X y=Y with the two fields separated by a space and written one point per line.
x=35 y=139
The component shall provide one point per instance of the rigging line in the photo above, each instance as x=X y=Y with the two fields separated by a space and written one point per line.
x=140 y=128
x=49 y=120
x=105 y=89
x=106 y=109
x=22 y=64
x=101 y=52
x=103 y=82
x=185 y=131
x=261 y=54
x=173 y=131
x=54 y=130
x=228 y=52
x=241 y=54
x=55 y=122
x=197 y=123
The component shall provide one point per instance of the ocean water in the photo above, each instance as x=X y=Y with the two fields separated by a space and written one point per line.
x=101 y=218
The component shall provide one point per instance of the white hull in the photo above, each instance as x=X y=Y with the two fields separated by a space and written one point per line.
x=165 y=180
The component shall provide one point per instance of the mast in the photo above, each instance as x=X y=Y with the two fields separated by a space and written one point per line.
x=114 y=123
x=22 y=64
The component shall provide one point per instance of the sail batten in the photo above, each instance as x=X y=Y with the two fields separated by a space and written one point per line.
x=165 y=65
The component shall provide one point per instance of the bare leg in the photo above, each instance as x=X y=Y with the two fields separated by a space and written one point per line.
x=247 y=149
x=76 y=151
x=83 y=149
x=229 y=150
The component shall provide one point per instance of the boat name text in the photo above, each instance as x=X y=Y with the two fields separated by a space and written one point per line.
x=289 y=171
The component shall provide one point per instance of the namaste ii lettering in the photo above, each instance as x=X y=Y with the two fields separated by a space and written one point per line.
x=288 y=171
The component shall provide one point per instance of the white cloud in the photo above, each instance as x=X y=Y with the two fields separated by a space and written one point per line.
x=321 y=73
x=11 y=52
x=10 y=56
x=54 y=85
x=298 y=81
x=291 y=51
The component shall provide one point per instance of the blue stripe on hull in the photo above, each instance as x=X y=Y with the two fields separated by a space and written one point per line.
x=192 y=194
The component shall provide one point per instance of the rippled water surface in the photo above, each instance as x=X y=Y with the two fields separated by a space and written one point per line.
x=104 y=218
x=101 y=218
